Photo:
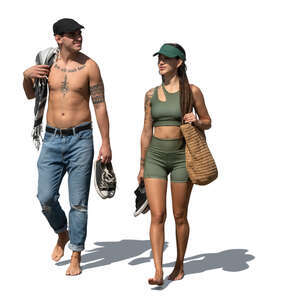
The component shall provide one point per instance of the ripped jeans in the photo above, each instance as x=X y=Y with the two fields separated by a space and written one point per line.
x=60 y=154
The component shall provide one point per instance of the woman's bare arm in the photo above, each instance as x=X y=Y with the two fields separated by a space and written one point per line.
x=148 y=127
x=204 y=121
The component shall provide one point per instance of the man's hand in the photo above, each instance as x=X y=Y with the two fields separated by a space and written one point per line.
x=37 y=71
x=105 y=153
x=32 y=73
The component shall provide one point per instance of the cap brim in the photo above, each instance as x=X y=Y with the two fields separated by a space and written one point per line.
x=165 y=54
x=77 y=28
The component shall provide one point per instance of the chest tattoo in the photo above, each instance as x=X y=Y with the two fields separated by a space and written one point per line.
x=64 y=86
x=65 y=70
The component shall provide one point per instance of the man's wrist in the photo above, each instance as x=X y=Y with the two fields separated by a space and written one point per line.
x=26 y=77
x=106 y=142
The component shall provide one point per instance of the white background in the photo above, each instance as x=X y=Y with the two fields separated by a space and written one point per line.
x=244 y=55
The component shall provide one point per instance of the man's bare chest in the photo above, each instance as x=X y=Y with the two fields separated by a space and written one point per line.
x=66 y=80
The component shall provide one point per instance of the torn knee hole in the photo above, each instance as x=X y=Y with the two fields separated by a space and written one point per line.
x=80 y=208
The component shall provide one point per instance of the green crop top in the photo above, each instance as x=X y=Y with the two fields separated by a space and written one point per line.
x=167 y=113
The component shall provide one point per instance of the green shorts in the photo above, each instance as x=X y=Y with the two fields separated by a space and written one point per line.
x=164 y=157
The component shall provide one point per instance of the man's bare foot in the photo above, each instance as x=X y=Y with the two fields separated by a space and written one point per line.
x=58 y=251
x=157 y=279
x=74 y=267
x=177 y=273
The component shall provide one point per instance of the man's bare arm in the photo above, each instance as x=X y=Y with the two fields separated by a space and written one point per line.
x=37 y=71
x=97 y=92
x=96 y=88
x=28 y=88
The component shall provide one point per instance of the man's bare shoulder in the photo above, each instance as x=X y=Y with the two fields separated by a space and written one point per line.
x=92 y=67
x=83 y=59
x=90 y=63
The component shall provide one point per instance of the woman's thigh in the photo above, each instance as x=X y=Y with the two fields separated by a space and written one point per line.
x=181 y=192
x=156 y=194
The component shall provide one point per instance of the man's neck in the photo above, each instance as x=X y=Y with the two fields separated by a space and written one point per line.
x=67 y=56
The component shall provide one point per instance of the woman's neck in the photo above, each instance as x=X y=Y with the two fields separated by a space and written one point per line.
x=171 y=82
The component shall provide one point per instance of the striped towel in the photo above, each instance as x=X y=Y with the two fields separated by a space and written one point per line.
x=44 y=57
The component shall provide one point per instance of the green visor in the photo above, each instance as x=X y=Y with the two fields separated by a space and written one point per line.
x=170 y=51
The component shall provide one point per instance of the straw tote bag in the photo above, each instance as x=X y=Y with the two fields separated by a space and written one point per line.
x=200 y=163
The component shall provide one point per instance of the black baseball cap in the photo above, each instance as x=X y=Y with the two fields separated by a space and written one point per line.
x=66 y=26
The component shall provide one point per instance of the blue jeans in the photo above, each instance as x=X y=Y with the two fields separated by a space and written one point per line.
x=60 y=154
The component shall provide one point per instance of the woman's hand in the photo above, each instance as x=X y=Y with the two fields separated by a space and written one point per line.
x=189 y=118
x=141 y=175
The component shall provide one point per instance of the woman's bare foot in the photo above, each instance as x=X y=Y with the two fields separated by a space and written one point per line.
x=74 y=267
x=58 y=251
x=177 y=273
x=157 y=279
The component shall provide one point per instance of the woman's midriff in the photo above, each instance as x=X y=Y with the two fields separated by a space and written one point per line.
x=167 y=132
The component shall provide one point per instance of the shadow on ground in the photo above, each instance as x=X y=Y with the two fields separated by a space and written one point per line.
x=233 y=260
x=110 y=252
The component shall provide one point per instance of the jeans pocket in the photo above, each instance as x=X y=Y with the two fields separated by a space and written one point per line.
x=47 y=137
x=85 y=134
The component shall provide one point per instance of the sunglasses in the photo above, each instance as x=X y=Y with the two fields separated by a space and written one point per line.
x=72 y=35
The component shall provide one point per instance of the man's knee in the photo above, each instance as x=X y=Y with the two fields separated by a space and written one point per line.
x=80 y=208
x=47 y=198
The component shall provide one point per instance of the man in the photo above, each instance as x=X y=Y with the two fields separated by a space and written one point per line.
x=68 y=141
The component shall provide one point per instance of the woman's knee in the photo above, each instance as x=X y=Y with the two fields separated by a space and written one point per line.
x=180 y=218
x=158 y=218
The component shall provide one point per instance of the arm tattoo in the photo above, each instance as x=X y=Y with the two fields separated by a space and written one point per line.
x=146 y=104
x=97 y=100
x=147 y=100
x=97 y=93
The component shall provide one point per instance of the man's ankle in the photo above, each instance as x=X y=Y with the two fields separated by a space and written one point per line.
x=76 y=253
x=63 y=235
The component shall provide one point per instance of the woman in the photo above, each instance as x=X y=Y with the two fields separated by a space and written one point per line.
x=163 y=152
